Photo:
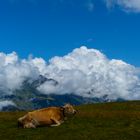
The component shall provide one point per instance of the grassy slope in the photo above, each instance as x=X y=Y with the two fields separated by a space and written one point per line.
x=110 y=121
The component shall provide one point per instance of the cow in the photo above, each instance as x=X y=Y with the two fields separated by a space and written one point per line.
x=51 y=116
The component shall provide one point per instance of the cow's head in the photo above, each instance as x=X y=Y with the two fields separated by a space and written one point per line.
x=69 y=109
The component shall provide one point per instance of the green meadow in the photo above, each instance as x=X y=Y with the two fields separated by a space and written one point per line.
x=103 y=121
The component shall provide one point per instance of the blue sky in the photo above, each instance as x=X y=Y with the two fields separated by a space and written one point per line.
x=46 y=28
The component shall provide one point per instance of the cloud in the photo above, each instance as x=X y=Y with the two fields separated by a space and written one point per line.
x=126 y=5
x=89 y=73
x=85 y=72
x=13 y=71
x=6 y=103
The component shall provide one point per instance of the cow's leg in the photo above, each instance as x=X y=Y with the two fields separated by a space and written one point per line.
x=29 y=125
x=20 y=124
x=57 y=123
x=21 y=121
x=35 y=122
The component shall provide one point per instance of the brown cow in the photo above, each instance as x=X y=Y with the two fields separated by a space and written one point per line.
x=51 y=116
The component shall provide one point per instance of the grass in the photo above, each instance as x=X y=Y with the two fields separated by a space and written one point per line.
x=108 y=121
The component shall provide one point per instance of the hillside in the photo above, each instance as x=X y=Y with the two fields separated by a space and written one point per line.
x=103 y=121
x=28 y=97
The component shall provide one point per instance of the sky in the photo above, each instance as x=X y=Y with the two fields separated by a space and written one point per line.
x=48 y=28
x=90 y=47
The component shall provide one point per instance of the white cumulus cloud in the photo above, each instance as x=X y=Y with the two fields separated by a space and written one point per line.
x=6 y=103
x=127 y=5
x=84 y=72
x=89 y=73
x=13 y=71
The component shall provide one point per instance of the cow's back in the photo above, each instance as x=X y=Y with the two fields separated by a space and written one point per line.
x=44 y=116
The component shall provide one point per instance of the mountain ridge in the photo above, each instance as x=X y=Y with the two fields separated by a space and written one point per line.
x=28 y=97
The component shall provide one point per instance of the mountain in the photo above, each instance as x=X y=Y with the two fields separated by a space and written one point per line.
x=29 y=98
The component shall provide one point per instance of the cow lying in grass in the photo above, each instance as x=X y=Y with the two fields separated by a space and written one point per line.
x=51 y=116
